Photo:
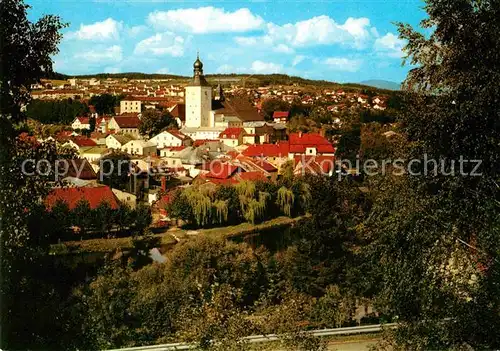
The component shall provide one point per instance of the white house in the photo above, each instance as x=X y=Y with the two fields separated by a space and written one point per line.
x=125 y=125
x=169 y=138
x=116 y=141
x=81 y=123
x=140 y=147
x=130 y=105
x=232 y=136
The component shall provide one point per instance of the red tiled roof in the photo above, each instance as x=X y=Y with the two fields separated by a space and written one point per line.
x=220 y=170
x=231 y=133
x=83 y=141
x=314 y=164
x=201 y=142
x=71 y=196
x=300 y=141
x=252 y=176
x=177 y=134
x=280 y=114
x=127 y=122
x=83 y=120
x=267 y=150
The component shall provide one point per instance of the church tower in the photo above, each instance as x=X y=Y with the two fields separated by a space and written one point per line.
x=198 y=99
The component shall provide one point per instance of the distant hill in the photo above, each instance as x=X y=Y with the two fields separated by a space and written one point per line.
x=248 y=80
x=382 y=84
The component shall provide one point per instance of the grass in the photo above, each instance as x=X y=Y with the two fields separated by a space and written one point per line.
x=169 y=237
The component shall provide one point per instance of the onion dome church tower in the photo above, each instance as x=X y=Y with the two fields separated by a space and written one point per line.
x=198 y=98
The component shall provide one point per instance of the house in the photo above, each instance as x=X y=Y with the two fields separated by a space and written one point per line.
x=93 y=155
x=275 y=154
x=178 y=111
x=232 y=136
x=139 y=147
x=72 y=196
x=79 y=142
x=116 y=141
x=170 y=138
x=363 y=99
x=130 y=105
x=310 y=144
x=125 y=197
x=78 y=168
x=125 y=125
x=170 y=151
x=81 y=123
x=280 y=116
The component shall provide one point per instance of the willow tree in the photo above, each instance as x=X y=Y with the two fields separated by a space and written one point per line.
x=221 y=211
x=286 y=199
x=254 y=209
x=201 y=204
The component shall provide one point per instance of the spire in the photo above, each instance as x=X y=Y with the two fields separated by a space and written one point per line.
x=198 y=78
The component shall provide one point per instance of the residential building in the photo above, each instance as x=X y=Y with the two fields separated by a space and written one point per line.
x=232 y=136
x=130 y=105
x=140 y=147
x=116 y=141
x=170 y=138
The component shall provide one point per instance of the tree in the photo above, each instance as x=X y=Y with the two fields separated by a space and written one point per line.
x=154 y=122
x=437 y=235
x=92 y=122
x=104 y=103
x=269 y=106
x=31 y=308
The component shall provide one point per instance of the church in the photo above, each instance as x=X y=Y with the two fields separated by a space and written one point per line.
x=208 y=115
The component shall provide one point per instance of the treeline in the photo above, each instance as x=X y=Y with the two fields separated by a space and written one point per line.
x=206 y=206
x=100 y=222
x=56 y=111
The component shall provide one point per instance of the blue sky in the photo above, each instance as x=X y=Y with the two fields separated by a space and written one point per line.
x=343 y=41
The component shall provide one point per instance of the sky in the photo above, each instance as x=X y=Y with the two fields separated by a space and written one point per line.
x=335 y=40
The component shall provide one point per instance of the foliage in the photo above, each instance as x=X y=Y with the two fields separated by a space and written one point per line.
x=154 y=122
x=115 y=170
x=436 y=236
x=269 y=106
x=105 y=103
x=57 y=111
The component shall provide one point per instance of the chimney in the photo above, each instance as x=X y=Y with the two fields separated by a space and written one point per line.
x=164 y=183
x=300 y=134
x=322 y=132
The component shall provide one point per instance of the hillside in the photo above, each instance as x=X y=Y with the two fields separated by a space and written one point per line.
x=248 y=80
x=382 y=84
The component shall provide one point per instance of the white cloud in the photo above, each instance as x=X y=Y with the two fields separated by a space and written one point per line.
x=246 y=41
x=163 y=70
x=136 y=30
x=389 y=45
x=111 y=54
x=284 y=49
x=109 y=29
x=343 y=64
x=206 y=20
x=322 y=30
x=298 y=59
x=266 y=67
x=162 y=44
x=319 y=30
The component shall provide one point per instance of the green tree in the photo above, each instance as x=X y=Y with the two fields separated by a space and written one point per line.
x=437 y=236
x=154 y=122
x=104 y=103
x=31 y=309
x=269 y=106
